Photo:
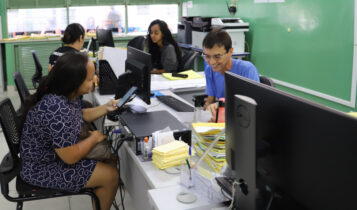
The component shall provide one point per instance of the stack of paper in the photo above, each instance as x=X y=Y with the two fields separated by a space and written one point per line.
x=169 y=155
x=204 y=134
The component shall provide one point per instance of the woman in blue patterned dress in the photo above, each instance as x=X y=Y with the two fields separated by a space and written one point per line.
x=51 y=154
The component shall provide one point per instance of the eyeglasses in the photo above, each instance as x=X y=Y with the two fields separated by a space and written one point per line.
x=215 y=57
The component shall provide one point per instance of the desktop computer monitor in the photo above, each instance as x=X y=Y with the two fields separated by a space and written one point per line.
x=104 y=38
x=305 y=152
x=137 y=73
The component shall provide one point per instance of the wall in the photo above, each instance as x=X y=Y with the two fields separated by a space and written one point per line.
x=306 y=46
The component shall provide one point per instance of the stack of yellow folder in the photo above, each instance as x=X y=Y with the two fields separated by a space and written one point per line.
x=169 y=155
x=204 y=134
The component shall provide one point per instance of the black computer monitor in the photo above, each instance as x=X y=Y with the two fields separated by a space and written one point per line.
x=306 y=153
x=104 y=37
x=137 y=72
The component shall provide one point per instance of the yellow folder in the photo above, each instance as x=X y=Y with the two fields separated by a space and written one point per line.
x=190 y=75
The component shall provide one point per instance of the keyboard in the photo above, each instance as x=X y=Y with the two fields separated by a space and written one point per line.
x=175 y=103
x=226 y=184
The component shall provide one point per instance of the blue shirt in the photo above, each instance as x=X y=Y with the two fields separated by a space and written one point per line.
x=215 y=80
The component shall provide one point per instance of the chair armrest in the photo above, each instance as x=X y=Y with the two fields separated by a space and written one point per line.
x=7 y=177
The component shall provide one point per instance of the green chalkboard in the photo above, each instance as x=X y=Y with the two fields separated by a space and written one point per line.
x=303 y=43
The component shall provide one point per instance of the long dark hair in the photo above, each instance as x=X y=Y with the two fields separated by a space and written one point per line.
x=72 y=33
x=167 y=38
x=64 y=79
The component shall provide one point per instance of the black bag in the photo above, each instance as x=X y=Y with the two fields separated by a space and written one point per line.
x=102 y=150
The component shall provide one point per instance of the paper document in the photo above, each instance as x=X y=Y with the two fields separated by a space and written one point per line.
x=208 y=128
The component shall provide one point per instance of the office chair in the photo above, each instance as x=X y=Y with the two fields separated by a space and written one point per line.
x=187 y=60
x=266 y=80
x=137 y=42
x=11 y=165
x=36 y=78
x=21 y=86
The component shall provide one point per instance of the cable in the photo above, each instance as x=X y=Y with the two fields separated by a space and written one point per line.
x=233 y=193
x=153 y=105
x=225 y=194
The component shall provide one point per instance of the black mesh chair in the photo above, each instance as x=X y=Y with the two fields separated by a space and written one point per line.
x=266 y=80
x=36 y=78
x=187 y=60
x=21 y=86
x=10 y=166
x=137 y=42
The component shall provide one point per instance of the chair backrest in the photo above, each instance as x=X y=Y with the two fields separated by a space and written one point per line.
x=10 y=124
x=38 y=73
x=187 y=60
x=21 y=86
x=266 y=80
x=137 y=42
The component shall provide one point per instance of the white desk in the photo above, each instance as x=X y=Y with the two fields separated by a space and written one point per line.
x=140 y=177
x=165 y=198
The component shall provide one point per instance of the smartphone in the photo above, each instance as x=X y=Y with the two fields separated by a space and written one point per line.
x=128 y=95
x=179 y=75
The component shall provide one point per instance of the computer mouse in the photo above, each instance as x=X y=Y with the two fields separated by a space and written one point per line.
x=137 y=109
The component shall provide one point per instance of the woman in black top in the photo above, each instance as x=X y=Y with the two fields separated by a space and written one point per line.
x=165 y=53
x=73 y=40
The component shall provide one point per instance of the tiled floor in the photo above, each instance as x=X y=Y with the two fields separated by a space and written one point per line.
x=64 y=203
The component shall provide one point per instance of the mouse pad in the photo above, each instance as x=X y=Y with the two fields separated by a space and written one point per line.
x=145 y=124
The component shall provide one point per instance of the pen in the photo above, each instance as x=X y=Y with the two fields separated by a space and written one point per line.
x=189 y=167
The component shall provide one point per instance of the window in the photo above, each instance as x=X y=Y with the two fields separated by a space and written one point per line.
x=140 y=17
x=32 y=21
x=107 y=17
x=54 y=20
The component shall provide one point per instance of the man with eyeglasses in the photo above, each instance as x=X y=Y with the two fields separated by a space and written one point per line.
x=217 y=52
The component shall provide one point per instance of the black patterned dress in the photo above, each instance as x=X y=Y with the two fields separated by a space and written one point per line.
x=54 y=122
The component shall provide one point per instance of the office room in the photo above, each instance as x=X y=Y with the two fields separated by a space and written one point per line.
x=298 y=122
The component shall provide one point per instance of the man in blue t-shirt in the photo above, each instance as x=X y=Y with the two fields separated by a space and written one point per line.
x=217 y=52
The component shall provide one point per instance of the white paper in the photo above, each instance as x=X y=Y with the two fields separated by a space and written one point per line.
x=269 y=1
x=276 y=1
x=178 y=84
x=260 y=1
x=163 y=136
x=184 y=9
x=204 y=129
x=189 y=4
x=116 y=58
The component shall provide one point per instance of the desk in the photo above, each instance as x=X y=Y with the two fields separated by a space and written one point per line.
x=142 y=177
x=165 y=198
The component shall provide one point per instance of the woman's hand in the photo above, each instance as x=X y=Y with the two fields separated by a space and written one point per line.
x=97 y=135
x=112 y=105
x=76 y=152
